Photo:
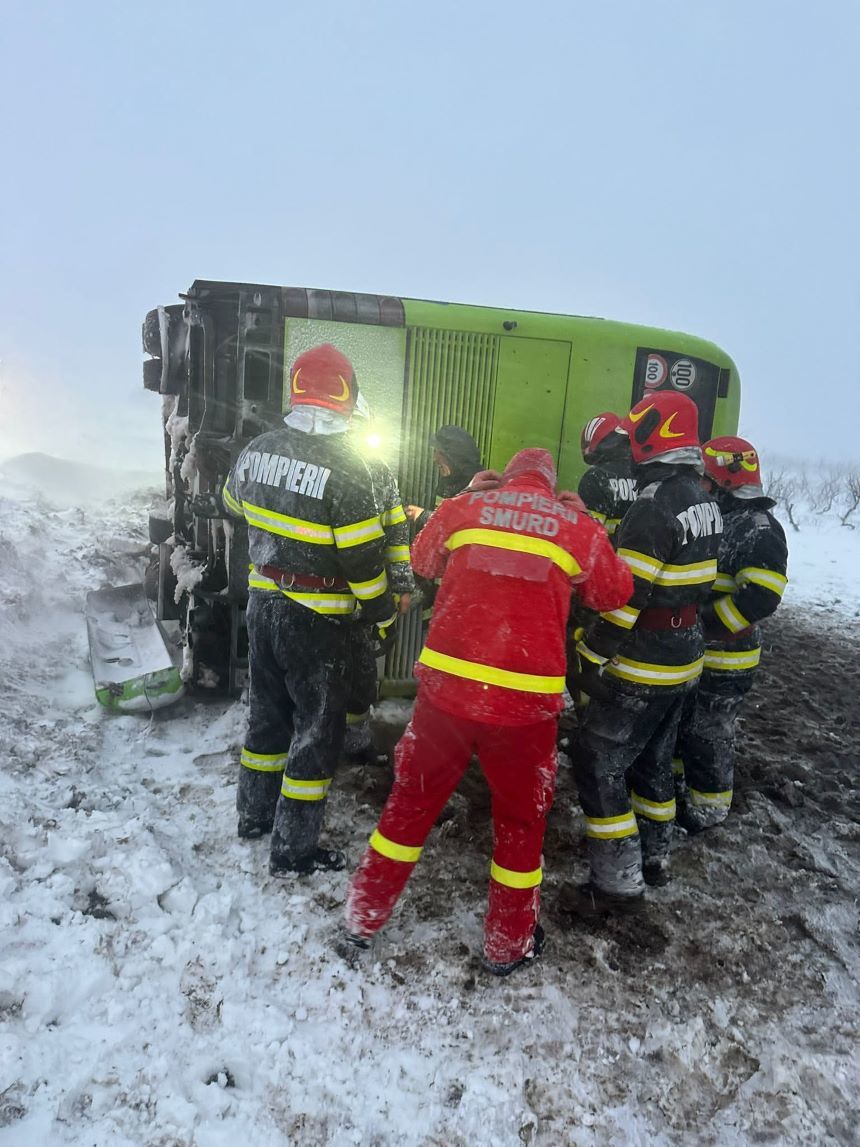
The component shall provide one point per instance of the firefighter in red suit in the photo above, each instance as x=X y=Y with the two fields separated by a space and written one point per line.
x=490 y=682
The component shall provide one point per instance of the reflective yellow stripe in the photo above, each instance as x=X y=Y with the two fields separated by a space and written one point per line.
x=489 y=674
x=728 y=659
x=357 y=532
x=609 y=827
x=720 y=800
x=512 y=879
x=317 y=600
x=612 y=525
x=518 y=542
x=678 y=766
x=725 y=583
x=653 y=810
x=625 y=617
x=770 y=579
x=263 y=762
x=356 y=718
x=730 y=615
x=305 y=790
x=365 y=590
x=598 y=517
x=644 y=673
x=230 y=502
x=643 y=565
x=396 y=554
x=589 y=654
x=406 y=853
x=394 y=516
x=296 y=528
x=695 y=573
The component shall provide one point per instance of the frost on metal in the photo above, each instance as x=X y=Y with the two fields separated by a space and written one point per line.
x=188 y=573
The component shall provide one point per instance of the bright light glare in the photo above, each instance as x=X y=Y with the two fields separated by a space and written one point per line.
x=374 y=441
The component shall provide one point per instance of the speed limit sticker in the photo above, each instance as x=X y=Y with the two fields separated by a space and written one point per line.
x=683 y=374
x=656 y=370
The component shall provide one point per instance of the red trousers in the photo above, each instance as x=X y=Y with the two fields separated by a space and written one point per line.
x=519 y=762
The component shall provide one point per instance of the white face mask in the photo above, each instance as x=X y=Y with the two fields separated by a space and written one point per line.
x=317 y=420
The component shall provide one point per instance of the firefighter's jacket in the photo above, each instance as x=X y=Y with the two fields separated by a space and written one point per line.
x=751 y=580
x=395 y=524
x=670 y=538
x=608 y=490
x=309 y=503
x=508 y=559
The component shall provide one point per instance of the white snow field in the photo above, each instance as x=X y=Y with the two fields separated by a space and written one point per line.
x=159 y=989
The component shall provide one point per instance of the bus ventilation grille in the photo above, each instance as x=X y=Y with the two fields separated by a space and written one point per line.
x=450 y=381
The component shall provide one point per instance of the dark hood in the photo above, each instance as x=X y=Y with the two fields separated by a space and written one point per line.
x=463 y=456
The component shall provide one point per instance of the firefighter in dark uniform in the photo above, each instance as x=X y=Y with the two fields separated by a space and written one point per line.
x=316 y=544
x=367 y=645
x=639 y=662
x=751 y=579
x=458 y=460
x=608 y=486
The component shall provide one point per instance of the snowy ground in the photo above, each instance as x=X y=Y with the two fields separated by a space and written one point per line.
x=158 y=988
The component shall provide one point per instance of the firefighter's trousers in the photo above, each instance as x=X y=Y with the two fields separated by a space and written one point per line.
x=622 y=764
x=519 y=763
x=705 y=752
x=299 y=681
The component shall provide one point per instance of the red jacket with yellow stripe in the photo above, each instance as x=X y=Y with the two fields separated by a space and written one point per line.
x=508 y=559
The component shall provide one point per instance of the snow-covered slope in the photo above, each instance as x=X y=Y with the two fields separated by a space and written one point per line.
x=158 y=988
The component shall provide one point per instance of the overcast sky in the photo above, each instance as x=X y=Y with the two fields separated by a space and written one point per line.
x=691 y=164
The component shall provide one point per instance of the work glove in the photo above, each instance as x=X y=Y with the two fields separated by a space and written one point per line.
x=572 y=501
x=485 y=480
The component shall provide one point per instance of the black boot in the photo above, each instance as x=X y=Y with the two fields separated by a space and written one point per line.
x=529 y=958
x=589 y=902
x=320 y=860
x=250 y=829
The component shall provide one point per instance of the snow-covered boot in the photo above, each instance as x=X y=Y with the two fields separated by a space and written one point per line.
x=616 y=865
x=655 y=837
x=534 y=953
x=320 y=860
x=256 y=799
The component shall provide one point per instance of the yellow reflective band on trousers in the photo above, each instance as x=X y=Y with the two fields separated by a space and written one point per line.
x=642 y=565
x=396 y=554
x=730 y=615
x=230 y=502
x=405 y=853
x=263 y=762
x=512 y=879
x=730 y=660
x=297 y=529
x=626 y=616
x=653 y=810
x=611 y=827
x=394 y=516
x=769 y=579
x=319 y=601
x=519 y=543
x=296 y=790
x=711 y=800
x=366 y=590
x=489 y=674
x=695 y=573
x=357 y=533
x=645 y=673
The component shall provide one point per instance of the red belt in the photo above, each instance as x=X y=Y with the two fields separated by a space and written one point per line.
x=287 y=580
x=664 y=617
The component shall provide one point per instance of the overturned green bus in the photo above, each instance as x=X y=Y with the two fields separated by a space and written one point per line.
x=220 y=359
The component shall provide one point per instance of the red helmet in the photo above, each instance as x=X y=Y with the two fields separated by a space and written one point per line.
x=324 y=377
x=597 y=430
x=663 y=424
x=733 y=464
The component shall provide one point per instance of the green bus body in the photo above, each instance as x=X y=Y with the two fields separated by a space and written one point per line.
x=511 y=378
